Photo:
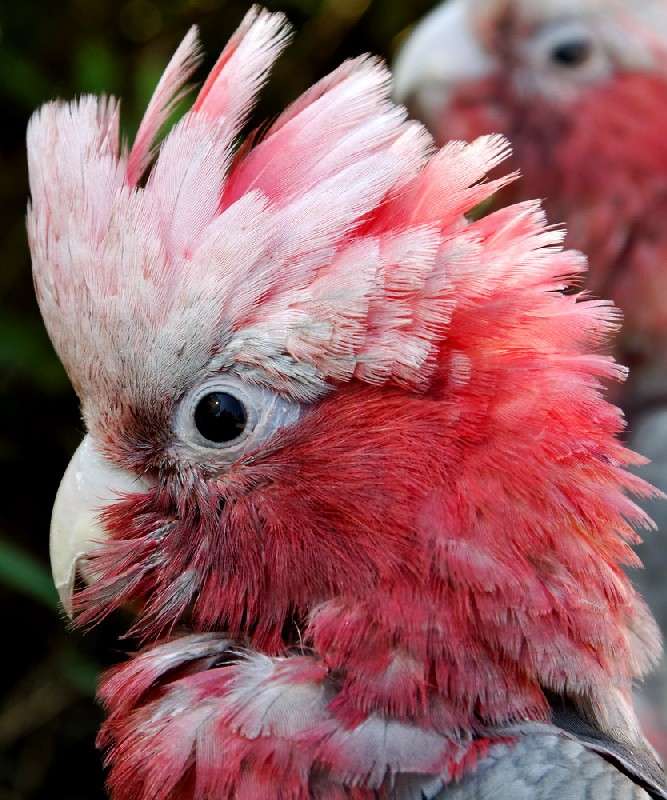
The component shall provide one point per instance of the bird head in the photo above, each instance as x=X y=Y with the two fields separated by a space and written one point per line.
x=322 y=404
x=470 y=65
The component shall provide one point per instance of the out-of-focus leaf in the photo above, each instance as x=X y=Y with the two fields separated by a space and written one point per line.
x=140 y=20
x=97 y=70
x=146 y=77
x=25 y=350
x=309 y=6
x=79 y=671
x=21 y=80
x=347 y=10
x=21 y=572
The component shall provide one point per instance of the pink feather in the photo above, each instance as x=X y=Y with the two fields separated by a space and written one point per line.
x=168 y=93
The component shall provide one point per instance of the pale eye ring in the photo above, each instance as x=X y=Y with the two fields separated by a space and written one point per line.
x=225 y=417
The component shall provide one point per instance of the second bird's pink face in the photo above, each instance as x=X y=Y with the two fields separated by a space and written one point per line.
x=476 y=67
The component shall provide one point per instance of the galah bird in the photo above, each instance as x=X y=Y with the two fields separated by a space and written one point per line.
x=347 y=454
x=580 y=88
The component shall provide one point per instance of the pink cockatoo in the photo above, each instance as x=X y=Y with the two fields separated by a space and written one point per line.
x=580 y=88
x=347 y=454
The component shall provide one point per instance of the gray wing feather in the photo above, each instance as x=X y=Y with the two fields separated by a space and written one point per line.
x=649 y=437
x=542 y=767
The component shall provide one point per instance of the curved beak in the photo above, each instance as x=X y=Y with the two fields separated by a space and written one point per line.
x=442 y=53
x=90 y=483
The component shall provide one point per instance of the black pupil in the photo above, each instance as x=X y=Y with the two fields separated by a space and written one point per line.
x=220 y=417
x=573 y=53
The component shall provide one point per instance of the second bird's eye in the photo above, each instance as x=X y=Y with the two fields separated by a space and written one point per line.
x=572 y=53
x=220 y=417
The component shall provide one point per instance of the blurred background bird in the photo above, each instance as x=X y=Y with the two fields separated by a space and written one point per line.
x=347 y=456
x=580 y=88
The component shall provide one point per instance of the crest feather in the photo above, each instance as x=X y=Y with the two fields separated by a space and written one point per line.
x=334 y=248
x=168 y=93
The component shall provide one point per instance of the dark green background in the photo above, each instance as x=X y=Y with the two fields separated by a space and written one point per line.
x=48 y=716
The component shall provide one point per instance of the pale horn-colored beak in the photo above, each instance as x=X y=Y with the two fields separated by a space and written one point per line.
x=441 y=53
x=89 y=484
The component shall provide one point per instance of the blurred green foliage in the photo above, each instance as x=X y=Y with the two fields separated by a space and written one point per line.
x=22 y=573
x=48 y=717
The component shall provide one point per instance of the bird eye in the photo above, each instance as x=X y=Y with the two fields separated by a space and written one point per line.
x=572 y=53
x=226 y=416
x=220 y=417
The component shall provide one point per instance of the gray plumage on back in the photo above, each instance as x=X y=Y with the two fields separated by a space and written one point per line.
x=649 y=437
x=566 y=760
x=547 y=767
